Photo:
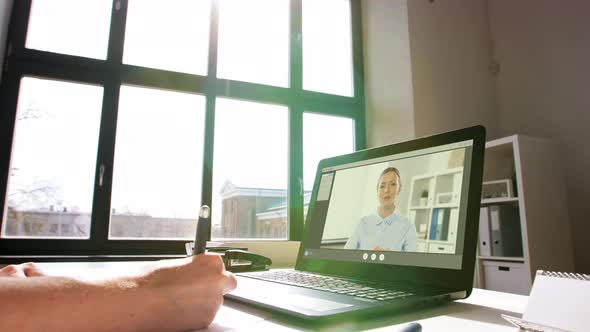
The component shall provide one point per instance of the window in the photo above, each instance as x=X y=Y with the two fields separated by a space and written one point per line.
x=81 y=30
x=158 y=164
x=123 y=117
x=250 y=168
x=318 y=144
x=50 y=184
x=254 y=41
x=327 y=48
x=149 y=44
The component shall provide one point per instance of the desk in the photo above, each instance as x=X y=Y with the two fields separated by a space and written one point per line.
x=480 y=312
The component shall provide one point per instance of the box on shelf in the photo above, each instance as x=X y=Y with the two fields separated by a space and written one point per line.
x=507 y=277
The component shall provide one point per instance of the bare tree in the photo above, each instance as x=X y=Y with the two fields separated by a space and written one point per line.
x=38 y=193
x=32 y=111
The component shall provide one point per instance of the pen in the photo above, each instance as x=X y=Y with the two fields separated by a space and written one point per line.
x=412 y=327
x=203 y=227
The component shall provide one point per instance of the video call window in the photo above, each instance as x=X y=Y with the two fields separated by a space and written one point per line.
x=409 y=204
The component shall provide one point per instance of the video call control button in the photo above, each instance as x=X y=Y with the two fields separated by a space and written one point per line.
x=381 y=257
x=373 y=257
x=365 y=256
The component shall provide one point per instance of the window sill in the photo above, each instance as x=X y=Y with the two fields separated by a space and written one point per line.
x=93 y=258
x=282 y=253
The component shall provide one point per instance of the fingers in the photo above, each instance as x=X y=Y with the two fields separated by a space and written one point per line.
x=214 y=264
x=230 y=282
x=31 y=270
x=207 y=259
x=12 y=271
x=208 y=263
x=24 y=270
x=205 y=270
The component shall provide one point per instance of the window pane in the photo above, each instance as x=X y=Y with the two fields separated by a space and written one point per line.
x=327 y=47
x=158 y=164
x=319 y=144
x=71 y=27
x=51 y=181
x=254 y=41
x=170 y=35
x=250 y=170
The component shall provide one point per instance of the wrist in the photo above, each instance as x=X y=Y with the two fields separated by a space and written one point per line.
x=127 y=302
x=147 y=308
x=151 y=306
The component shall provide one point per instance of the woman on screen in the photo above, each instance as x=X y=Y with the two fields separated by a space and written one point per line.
x=385 y=230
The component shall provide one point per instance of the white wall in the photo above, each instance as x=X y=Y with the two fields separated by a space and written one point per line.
x=426 y=68
x=543 y=47
x=388 y=76
x=450 y=47
x=347 y=202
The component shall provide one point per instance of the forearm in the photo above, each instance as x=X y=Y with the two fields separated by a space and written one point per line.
x=64 y=304
x=174 y=295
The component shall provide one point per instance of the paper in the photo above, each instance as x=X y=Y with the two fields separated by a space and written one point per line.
x=228 y=319
x=561 y=302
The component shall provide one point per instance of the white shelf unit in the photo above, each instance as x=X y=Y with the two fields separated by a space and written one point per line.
x=534 y=167
x=444 y=189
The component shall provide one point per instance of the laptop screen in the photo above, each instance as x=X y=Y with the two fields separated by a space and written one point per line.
x=401 y=209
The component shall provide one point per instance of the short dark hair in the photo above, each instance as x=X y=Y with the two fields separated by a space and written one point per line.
x=387 y=170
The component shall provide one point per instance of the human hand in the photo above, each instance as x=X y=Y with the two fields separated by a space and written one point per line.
x=190 y=290
x=24 y=270
x=173 y=295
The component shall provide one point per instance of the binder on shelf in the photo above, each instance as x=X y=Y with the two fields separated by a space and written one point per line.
x=496 y=231
x=484 y=232
x=444 y=233
x=442 y=224
x=439 y=224
x=505 y=231
x=433 y=224
x=453 y=221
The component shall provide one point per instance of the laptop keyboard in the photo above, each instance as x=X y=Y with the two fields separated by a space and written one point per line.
x=363 y=289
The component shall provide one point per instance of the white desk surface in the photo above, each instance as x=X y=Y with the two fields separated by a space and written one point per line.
x=480 y=312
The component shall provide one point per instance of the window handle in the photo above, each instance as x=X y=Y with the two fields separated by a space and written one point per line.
x=301 y=191
x=100 y=175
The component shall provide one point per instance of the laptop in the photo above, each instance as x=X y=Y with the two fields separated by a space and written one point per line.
x=387 y=229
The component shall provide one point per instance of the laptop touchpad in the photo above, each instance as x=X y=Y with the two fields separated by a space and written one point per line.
x=315 y=304
x=273 y=294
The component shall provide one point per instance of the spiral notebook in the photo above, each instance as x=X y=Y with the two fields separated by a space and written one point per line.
x=558 y=302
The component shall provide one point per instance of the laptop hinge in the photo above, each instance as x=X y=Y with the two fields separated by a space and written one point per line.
x=458 y=295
